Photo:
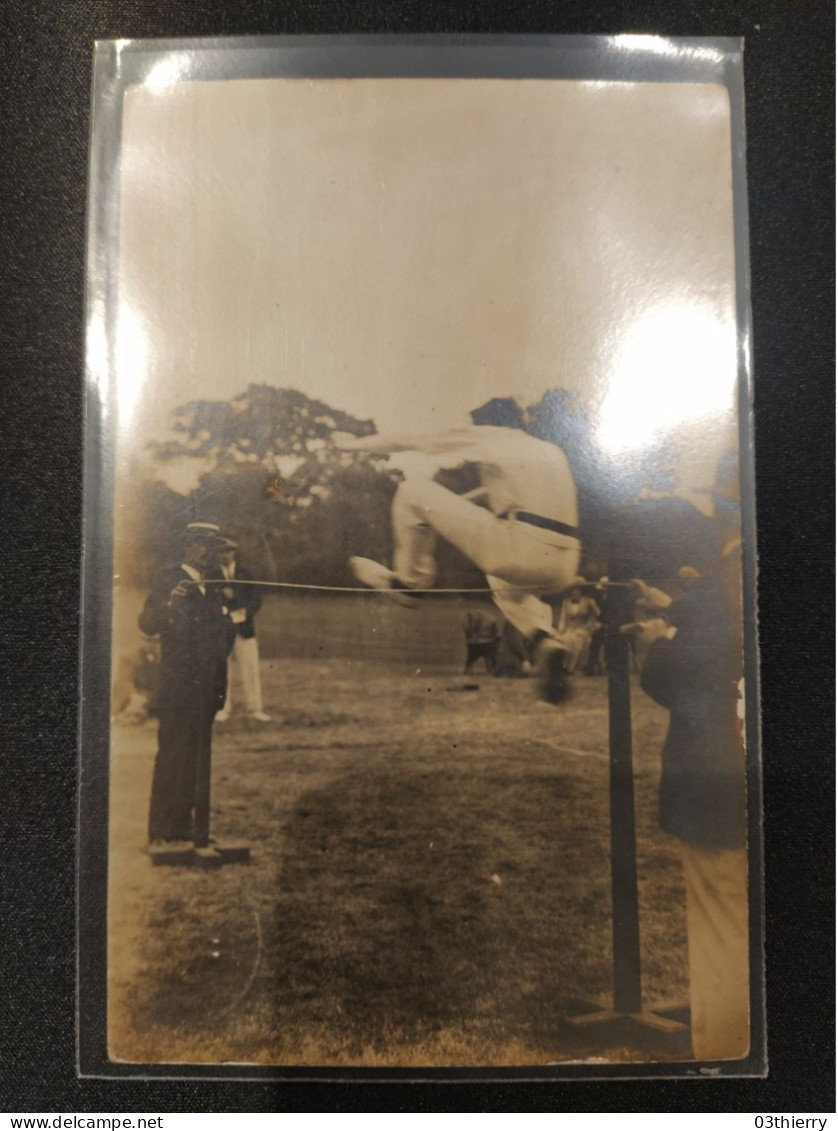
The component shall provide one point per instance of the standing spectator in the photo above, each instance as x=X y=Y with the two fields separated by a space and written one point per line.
x=578 y=619
x=693 y=668
x=193 y=626
x=482 y=639
x=243 y=602
x=593 y=665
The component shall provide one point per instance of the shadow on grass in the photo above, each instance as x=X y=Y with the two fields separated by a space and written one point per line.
x=411 y=903
x=417 y=909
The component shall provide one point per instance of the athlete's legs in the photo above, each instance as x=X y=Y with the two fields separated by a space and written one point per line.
x=414 y=539
x=508 y=551
x=520 y=561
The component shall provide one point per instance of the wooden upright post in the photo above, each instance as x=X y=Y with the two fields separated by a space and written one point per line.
x=626 y=1000
x=626 y=919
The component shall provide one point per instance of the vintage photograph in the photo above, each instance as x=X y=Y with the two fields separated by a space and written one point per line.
x=428 y=740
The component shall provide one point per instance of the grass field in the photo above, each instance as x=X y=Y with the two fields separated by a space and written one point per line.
x=429 y=881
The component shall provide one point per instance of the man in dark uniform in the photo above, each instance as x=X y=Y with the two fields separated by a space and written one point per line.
x=192 y=622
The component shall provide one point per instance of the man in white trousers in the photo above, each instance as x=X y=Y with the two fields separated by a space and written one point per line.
x=519 y=527
x=242 y=602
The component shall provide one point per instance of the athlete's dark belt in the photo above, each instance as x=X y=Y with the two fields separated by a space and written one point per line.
x=545 y=523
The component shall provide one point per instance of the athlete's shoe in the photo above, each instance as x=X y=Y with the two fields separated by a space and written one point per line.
x=376 y=576
x=553 y=671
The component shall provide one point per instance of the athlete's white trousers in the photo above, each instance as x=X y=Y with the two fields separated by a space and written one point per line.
x=717 y=928
x=244 y=661
x=520 y=560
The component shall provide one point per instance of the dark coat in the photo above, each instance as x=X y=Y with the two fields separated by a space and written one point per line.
x=194 y=640
x=194 y=643
x=695 y=676
x=245 y=597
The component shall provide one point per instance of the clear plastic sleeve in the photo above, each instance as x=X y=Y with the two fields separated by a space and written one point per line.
x=420 y=726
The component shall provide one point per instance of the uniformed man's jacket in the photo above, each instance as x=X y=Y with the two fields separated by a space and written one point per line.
x=245 y=597
x=195 y=640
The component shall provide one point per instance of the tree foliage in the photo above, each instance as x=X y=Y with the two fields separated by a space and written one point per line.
x=273 y=478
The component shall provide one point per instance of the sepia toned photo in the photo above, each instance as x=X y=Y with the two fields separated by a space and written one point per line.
x=427 y=652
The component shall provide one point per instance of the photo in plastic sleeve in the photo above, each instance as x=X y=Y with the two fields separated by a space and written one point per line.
x=426 y=745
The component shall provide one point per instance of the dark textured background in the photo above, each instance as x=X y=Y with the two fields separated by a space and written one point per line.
x=44 y=86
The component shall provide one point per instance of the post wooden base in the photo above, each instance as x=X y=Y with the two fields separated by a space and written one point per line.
x=172 y=853
x=664 y=1016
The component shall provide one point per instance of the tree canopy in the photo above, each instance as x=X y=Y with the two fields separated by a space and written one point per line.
x=269 y=473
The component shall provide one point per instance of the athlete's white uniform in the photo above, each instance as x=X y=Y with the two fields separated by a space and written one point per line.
x=524 y=538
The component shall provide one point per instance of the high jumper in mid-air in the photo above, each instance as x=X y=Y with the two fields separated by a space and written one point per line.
x=520 y=527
